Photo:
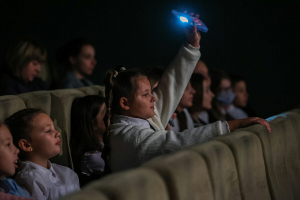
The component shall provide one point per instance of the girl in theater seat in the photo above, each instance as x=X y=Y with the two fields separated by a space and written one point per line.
x=201 y=101
x=34 y=134
x=87 y=128
x=138 y=116
x=21 y=67
x=8 y=164
x=78 y=56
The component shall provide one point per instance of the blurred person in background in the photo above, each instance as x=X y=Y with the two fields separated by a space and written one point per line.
x=222 y=104
x=21 y=67
x=78 y=58
x=239 y=87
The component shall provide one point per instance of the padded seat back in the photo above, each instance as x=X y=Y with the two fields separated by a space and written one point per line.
x=281 y=155
x=61 y=103
x=247 y=151
x=10 y=104
x=137 y=184
x=185 y=174
x=39 y=99
x=222 y=169
x=93 y=90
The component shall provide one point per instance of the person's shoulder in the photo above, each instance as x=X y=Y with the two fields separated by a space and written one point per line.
x=61 y=168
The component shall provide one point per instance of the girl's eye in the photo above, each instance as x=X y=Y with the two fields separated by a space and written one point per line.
x=8 y=144
x=145 y=95
x=48 y=131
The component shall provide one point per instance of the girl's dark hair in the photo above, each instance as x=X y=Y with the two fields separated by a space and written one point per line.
x=119 y=83
x=197 y=84
x=20 y=125
x=21 y=52
x=70 y=49
x=84 y=112
x=217 y=75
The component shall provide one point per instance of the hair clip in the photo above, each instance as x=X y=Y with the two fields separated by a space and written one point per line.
x=122 y=69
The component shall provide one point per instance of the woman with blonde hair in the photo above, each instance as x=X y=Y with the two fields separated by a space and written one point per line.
x=21 y=67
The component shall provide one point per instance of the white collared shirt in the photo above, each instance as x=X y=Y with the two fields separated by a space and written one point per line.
x=52 y=182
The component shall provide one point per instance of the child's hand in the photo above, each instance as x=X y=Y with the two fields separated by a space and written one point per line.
x=257 y=120
x=242 y=123
x=193 y=35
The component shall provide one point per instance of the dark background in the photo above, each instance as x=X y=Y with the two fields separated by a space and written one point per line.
x=256 y=39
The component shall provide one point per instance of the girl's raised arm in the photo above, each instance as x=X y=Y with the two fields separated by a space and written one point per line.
x=175 y=79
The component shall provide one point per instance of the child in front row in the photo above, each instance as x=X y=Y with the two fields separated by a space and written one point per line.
x=8 y=159
x=138 y=118
x=38 y=141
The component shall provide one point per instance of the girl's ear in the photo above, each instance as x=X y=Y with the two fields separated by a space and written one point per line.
x=25 y=145
x=72 y=60
x=124 y=103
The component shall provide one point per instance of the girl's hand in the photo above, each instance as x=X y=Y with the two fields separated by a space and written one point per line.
x=242 y=123
x=193 y=35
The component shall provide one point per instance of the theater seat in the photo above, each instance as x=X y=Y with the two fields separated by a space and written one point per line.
x=10 y=104
x=93 y=90
x=222 y=169
x=247 y=151
x=137 y=184
x=185 y=174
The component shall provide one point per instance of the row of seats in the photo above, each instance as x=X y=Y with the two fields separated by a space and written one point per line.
x=247 y=164
x=57 y=104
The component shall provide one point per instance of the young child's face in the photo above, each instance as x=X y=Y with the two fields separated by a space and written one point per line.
x=142 y=105
x=187 y=97
x=241 y=95
x=9 y=153
x=45 y=140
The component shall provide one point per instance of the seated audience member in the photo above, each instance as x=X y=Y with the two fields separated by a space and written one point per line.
x=8 y=164
x=202 y=100
x=201 y=68
x=78 y=57
x=238 y=84
x=139 y=115
x=183 y=119
x=34 y=134
x=222 y=106
x=87 y=129
x=21 y=67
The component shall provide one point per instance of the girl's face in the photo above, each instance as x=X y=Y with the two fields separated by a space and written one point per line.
x=241 y=95
x=207 y=95
x=45 y=140
x=9 y=153
x=142 y=105
x=99 y=123
x=85 y=62
x=31 y=71
x=187 y=97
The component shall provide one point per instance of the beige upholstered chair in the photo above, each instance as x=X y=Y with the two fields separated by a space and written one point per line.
x=222 y=169
x=137 y=184
x=10 y=104
x=185 y=173
x=247 y=151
